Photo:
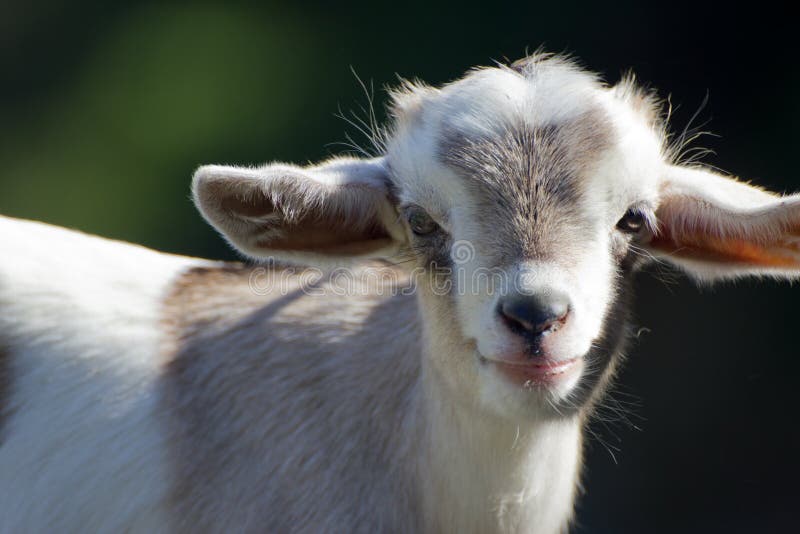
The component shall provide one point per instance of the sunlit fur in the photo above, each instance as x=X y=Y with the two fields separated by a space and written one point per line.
x=142 y=392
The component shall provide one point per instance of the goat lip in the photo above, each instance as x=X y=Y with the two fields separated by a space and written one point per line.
x=536 y=371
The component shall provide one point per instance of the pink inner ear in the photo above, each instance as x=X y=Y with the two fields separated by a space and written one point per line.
x=695 y=228
x=327 y=238
x=727 y=250
x=254 y=206
x=770 y=245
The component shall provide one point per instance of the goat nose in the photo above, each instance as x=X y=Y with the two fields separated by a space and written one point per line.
x=533 y=315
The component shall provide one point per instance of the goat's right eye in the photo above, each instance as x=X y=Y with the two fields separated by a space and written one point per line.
x=420 y=222
x=632 y=222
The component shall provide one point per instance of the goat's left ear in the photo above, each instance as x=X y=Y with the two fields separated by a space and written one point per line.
x=320 y=214
x=715 y=227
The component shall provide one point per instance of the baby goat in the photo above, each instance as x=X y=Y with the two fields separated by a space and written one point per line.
x=142 y=392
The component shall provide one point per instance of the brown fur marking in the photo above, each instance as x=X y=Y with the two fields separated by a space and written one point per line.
x=243 y=373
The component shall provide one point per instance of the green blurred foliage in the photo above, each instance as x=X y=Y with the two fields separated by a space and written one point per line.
x=161 y=90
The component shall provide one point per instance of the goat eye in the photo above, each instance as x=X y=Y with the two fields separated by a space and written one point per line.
x=632 y=222
x=420 y=222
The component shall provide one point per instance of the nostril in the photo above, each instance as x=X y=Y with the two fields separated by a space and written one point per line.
x=534 y=314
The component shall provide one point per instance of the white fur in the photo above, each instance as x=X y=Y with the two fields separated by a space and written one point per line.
x=82 y=450
x=485 y=475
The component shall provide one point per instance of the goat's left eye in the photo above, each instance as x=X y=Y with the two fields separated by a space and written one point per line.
x=632 y=222
x=420 y=222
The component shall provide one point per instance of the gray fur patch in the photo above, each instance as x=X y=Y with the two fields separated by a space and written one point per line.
x=260 y=392
x=528 y=181
x=5 y=387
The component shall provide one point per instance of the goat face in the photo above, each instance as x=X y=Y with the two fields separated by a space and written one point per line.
x=525 y=198
x=528 y=202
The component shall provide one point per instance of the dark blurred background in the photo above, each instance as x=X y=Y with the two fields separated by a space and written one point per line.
x=107 y=108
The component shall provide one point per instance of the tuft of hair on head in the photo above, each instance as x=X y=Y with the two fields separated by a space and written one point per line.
x=647 y=104
x=406 y=98
x=529 y=65
x=643 y=99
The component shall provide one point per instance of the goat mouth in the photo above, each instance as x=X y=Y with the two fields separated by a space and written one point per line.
x=534 y=372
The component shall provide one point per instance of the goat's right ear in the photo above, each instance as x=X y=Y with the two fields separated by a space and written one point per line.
x=327 y=213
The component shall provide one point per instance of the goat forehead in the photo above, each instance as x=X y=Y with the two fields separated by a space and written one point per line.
x=539 y=154
x=529 y=181
x=549 y=91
